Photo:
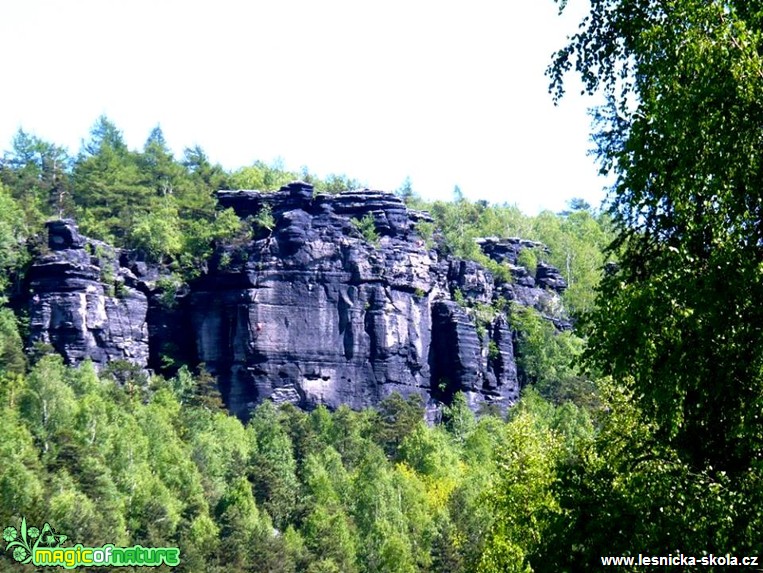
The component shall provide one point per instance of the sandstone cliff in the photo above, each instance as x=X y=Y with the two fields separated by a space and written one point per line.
x=84 y=303
x=310 y=311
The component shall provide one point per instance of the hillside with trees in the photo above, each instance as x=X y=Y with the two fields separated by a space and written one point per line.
x=289 y=490
x=99 y=454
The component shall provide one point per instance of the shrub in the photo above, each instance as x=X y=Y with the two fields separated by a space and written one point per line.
x=367 y=227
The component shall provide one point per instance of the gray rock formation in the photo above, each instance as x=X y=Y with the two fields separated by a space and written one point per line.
x=308 y=312
x=313 y=313
x=83 y=303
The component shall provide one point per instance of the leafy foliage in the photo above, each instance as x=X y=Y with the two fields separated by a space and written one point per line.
x=678 y=321
x=548 y=359
x=264 y=219
x=367 y=228
x=291 y=491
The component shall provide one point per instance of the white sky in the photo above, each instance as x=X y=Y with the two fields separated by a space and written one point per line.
x=447 y=93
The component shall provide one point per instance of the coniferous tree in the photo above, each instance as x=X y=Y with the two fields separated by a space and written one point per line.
x=108 y=187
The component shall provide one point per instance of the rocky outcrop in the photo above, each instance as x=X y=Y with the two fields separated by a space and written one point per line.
x=83 y=303
x=334 y=299
x=313 y=312
x=460 y=361
x=316 y=313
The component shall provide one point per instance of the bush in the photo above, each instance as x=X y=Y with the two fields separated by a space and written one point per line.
x=158 y=233
x=528 y=259
x=264 y=219
x=367 y=227
x=426 y=232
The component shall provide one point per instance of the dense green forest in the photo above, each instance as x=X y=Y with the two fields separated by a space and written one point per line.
x=163 y=465
x=639 y=433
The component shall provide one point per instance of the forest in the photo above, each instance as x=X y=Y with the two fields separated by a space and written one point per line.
x=639 y=433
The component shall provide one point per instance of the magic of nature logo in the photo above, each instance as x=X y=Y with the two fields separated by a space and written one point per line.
x=43 y=547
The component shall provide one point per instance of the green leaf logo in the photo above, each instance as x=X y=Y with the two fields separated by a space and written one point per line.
x=19 y=542
x=21 y=550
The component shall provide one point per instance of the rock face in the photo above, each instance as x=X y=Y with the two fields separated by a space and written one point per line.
x=335 y=300
x=84 y=303
x=315 y=313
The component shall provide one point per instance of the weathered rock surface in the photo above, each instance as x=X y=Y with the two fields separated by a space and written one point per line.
x=313 y=313
x=308 y=312
x=83 y=303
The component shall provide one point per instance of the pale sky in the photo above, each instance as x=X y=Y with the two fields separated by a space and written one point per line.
x=446 y=93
